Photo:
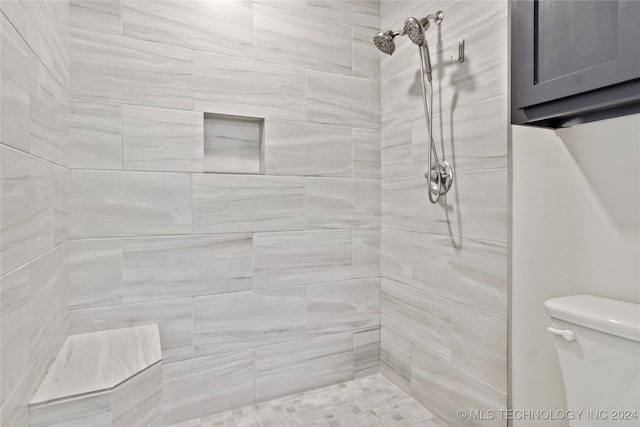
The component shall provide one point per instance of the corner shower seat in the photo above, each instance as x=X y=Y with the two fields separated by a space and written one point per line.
x=103 y=379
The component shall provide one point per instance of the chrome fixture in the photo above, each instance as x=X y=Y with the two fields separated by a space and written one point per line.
x=384 y=42
x=440 y=173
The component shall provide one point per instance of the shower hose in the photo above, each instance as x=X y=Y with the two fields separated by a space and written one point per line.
x=434 y=192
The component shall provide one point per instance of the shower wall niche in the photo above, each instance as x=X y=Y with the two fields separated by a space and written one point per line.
x=233 y=144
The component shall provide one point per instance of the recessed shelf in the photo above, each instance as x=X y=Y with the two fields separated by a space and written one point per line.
x=233 y=144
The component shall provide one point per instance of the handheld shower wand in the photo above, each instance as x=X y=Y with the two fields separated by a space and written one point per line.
x=440 y=174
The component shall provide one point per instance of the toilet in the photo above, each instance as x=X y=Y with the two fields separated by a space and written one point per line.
x=598 y=345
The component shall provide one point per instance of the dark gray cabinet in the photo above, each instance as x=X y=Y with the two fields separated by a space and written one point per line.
x=573 y=61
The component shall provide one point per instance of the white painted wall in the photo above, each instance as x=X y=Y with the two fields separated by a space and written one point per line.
x=576 y=215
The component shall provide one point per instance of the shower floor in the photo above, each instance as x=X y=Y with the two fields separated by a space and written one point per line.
x=369 y=401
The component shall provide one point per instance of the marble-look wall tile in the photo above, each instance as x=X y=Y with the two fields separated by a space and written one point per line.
x=48 y=115
x=34 y=63
x=174 y=318
x=299 y=6
x=461 y=17
x=417 y=316
x=361 y=13
x=206 y=385
x=307 y=149
x=405 y=56
x=244 y=320
x=342 y=100
x=467 y=227
x=296 y=258
x=396 y=155
x=27 y=207
x=44 y=25
x=476 y=209
x=95 y=273
x=366 y=153
x=15 y=411
x=138 y=401
x=114 y=203
x=395 y=255
x=470 y=271
x=243 y=203
x=293 y=367
x=60 y=205
x=95 y=135
x=343 y=203
x=302 y=41
x=210 y=26
x=343 y=306
x=49 y=299
x=14 y=318
x=365 y=56
x=93 y=410
x=483 y=75
x=394 y=12
x=233 y=144
x=15 y=88
x=244 y=87
x=116 y=69
x=479 y=345
x=159 y=268
x=366 y=253
x=162 y=140
x=401 y=95
x=366 y=352
x=158 y=422
x=104 y=16
x=400 y=198
x=476 y=134
x=444 y=389
x=395 y=359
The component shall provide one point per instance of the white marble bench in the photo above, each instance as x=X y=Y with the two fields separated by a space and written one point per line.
x=103 y=379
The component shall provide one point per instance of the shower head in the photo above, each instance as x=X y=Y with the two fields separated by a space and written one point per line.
x=415 y=29
x=384 y=42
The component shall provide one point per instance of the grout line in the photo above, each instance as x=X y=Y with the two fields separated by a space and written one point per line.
x=230 y=293
x=34 y=52
x=431 y=233
x=122 y=151
x=36 y=258
x=34 y=156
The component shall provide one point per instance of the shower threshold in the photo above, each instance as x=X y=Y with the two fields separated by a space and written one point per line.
x=367 y=402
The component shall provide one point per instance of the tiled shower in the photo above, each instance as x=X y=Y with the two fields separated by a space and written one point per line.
x=248 y=175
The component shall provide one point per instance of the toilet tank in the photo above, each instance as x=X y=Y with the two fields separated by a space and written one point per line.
x=598 y=344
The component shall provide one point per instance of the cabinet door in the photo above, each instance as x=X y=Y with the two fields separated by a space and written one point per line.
x=563 y=48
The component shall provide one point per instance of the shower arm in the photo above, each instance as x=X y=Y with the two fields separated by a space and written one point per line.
x=436 y=18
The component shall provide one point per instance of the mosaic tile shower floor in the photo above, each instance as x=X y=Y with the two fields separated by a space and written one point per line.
x=367 y=402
